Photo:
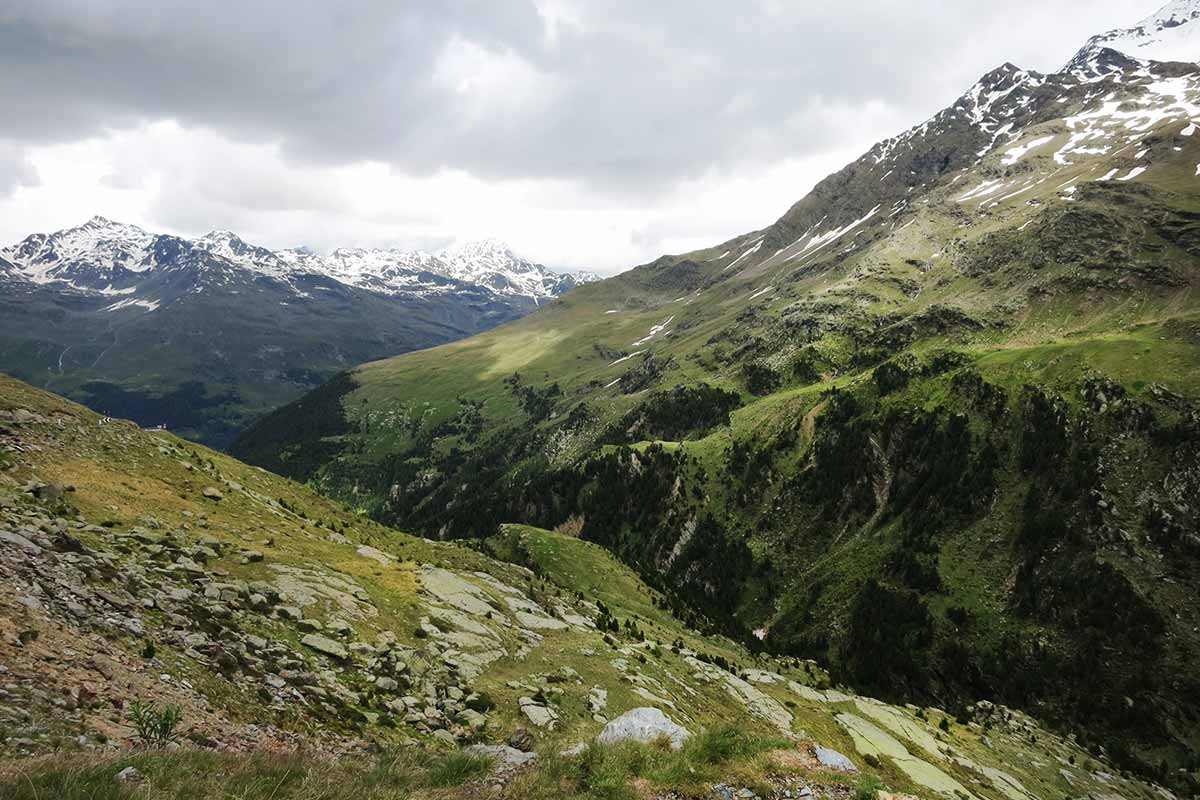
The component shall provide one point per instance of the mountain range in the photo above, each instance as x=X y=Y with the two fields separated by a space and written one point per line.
x=202 y=334
x=937 y=426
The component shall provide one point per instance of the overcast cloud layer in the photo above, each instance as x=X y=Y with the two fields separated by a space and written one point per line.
x=589 y=135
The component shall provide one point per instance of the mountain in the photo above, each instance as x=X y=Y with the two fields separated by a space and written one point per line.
x=1165 y=35
x=490 y=263
x=202 y=335
x=937 y=426
x=304 y=651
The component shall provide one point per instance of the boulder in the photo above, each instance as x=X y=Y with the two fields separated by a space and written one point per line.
x=20 y=541
x=445 y=737
x=537 y=714
x=128 y=775
x=323 y=644
x=51 y=492
x=643 y=725
x=832 y=759
x=212 y=493
x=500 y=753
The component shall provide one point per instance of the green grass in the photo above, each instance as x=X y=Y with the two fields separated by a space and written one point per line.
x=455 y=769
x=600 y=773
x=868 y=788
x=189 y=774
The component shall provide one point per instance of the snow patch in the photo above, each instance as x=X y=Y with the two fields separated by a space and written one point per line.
x=654 y=331
x=1015 y=154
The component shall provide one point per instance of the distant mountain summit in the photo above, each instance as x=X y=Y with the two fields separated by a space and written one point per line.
x=1170 y=34
x=490 y=263
x=201 y=334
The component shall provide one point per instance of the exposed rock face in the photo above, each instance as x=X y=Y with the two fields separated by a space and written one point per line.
x=643 y=725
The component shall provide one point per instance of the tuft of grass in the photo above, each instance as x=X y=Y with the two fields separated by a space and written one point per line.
x=726 y=743
x=456 y=769
x=868 y=788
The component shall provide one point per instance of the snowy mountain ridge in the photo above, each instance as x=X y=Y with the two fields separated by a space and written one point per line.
x=106 y=256
x=1170 y=34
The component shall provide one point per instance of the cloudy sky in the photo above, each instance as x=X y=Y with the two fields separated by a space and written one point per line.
x=589 y=134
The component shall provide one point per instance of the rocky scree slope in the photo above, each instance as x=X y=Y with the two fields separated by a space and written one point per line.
x=935 y=427
x=201 y=335
x=143 y=568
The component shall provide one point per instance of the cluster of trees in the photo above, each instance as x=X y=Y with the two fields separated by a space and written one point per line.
x=760 y=379
x=538 y=403
x=674 y=415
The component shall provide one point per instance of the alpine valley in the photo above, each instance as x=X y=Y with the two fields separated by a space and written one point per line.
x=937 y=427
x=202 y=335
x=895 y=498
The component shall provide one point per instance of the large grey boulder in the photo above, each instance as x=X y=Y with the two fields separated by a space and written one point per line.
x=325 y=645
x=832 y=759
x=643 y=725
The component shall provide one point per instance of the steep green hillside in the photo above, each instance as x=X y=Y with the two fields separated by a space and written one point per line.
x=297 y=639
x=937 y=427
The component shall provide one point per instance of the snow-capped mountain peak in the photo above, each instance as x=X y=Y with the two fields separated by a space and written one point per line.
x=106 y=245
x=102 y=253
x=233 y=248
x=491 y=263
x=1170 y=34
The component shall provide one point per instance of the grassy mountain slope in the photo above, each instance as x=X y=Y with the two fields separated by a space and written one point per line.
x=961 y=454
x=145 y=569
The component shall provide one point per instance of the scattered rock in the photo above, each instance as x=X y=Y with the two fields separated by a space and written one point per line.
x=128 y=775
x=522 y=740
x=445 y=736
x=832 y=759
x=503 y=754
x=643 y=725
x=51 y=492
x=537 y=714
x=323 y=644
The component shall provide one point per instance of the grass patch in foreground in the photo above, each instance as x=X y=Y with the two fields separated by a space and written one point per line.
x=616 y=772
x=188 y=774
x=623 y=771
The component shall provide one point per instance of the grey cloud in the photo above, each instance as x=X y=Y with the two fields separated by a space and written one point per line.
x=637 y=95
x=15 y=168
